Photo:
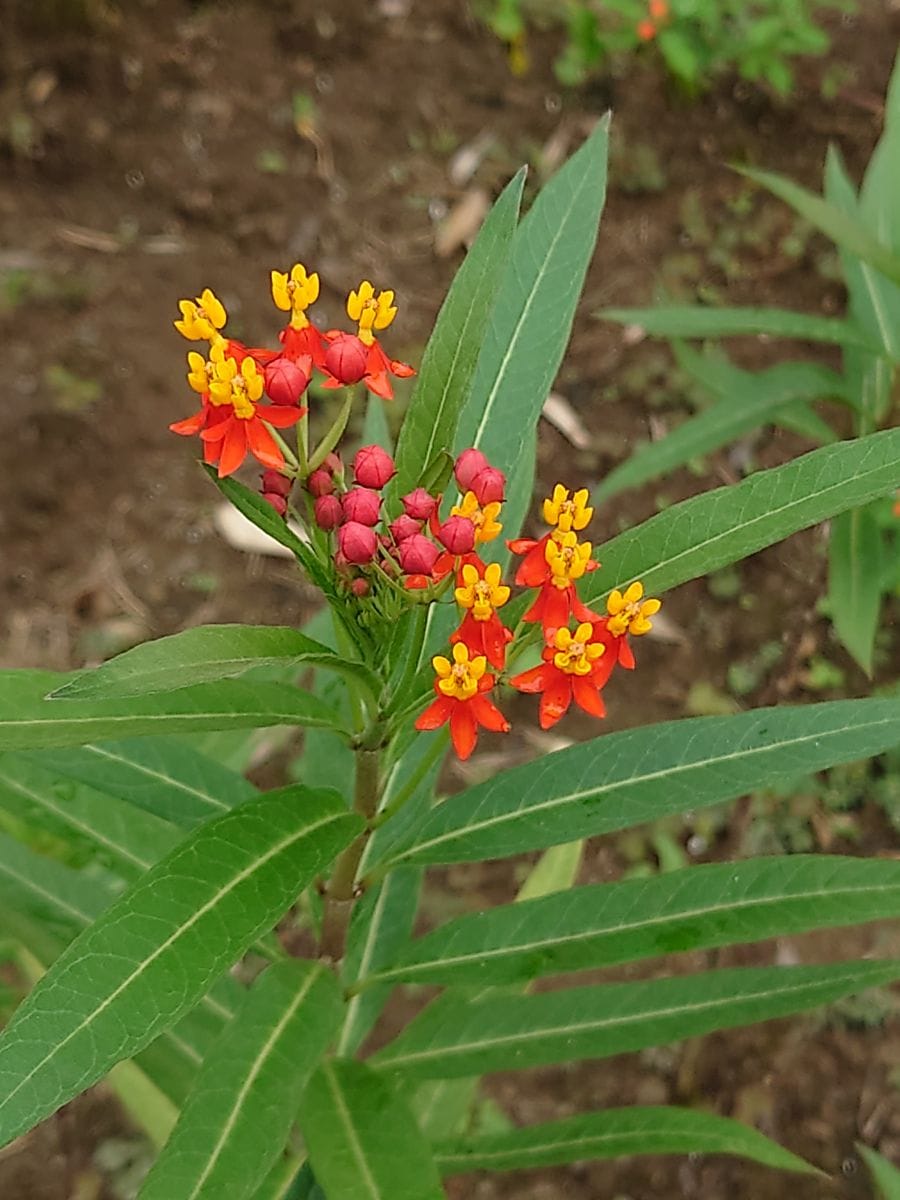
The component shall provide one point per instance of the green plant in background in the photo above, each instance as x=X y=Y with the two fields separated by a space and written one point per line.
x=698 y=40
x=864 y=546
x=157 y=889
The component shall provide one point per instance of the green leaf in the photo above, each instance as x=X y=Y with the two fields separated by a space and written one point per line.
x=855 y=566
x=884 y=1174
x=202 y=655
x=613 y=1133
x=162 y=776
x=452 y=1038
x=109 y=831
x=154 y=952
x=362 y=1140
x=62 y=900
x=381 y=924
x=532 y=318
x=448 y=365
x=698 y=321
x=28 y=722
x=375 y=426
x=750 y=399
x=730 y=523
x=628 y=778
x=849 y=233
x=236 y=1121
x=695 y=908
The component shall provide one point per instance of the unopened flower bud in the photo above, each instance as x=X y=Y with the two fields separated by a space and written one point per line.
x=360 y=586
x=458 y=535
x=320 y=483
x=417 y=555
x=357 y=542
x=362 y=505
x=333 y=463
x=274 y=481
x=467 y=466
x=278 y=502
x=346 y=358
x=419 y=504
x=328 y=512
x=404 y=527
x=373 y=467
x=488 y=485
x=285 y=381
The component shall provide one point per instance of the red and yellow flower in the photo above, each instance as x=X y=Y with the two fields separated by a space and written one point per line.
x=570 y=671
x=294 y=292
x=566 y=560
x=481 y=593
x=460 y=686
x=203 y=318
x=628 y=613
x=370 y=311
x=483 y=517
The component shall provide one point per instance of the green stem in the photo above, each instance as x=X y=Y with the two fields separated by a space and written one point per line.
x=289 y=456
x=334 y=434
x=437 y=748
x=303 y=446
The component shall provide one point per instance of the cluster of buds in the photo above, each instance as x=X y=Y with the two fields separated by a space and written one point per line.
x=657 y=15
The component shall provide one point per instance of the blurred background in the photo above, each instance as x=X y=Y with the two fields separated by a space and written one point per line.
x=150 y=148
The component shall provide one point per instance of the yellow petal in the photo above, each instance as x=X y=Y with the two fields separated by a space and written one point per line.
x=634 y=593
x=441 y=666
x=650 y=607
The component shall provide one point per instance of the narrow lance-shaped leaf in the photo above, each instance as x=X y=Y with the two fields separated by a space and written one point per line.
x=236 y=1120
x=451 y=1039
x=699 y=321
x=703 y=906
x=628 y=778
x=729 y=523
x=28 y=722
x=452 y=351
x=614 y=1133
x=201 y=655
x=162 y=776
x=362 y=1140
x=854 y=581
x=884 y=1174
x=152 y=955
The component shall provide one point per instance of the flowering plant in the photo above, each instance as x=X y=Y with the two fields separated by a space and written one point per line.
x=222 y=953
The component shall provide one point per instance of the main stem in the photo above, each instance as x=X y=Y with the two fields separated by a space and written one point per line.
x=341 y=891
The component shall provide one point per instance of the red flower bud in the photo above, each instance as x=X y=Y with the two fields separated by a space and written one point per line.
x=458 y=535
x=285 y=380
x=320 y=483
x=274 y=481
x=278 y=502
x=417 y=555
x=404 y=527
x=328 y=512
x=467 y=466
x=362 y=505
x=373 y=467
x=333 y=463
x=419 y=504
x=357 y=542
x=346 y=358
x=488 y=486
x=360 y=586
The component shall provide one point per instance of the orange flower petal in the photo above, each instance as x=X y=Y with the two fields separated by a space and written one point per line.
x=533 y=680
x=555 y=700
x=282 y=416
x=190 y=425
x=587 y=697
x=262 y=445
x=463 y=730
x=436 y=714
x=234 y=447
x=488 y=715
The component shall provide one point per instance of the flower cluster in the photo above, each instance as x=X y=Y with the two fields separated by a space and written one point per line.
x=575 y=663
x=247 y=394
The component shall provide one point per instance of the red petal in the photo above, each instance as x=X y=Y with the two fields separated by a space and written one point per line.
x=626 y=657
x=211 y=452
x=262 y=445
x=557 y=606
x=380 y=385
x=280 y=415
x=534 y=569
x=215 y=433
x=587 y=697
x=581 y=612
x=533 y=680
x=471 y=634
x=190 y=424
x=263 y=356
x=463 y=730
x=494 y=639
x=402 y=370
x=603 y=667
x=414 y=582
x=234 y=447
x=556 y=699
x=436 y=714
x=521 y=545
x=488 y=715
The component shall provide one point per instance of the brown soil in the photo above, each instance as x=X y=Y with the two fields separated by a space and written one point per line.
x=152 y=152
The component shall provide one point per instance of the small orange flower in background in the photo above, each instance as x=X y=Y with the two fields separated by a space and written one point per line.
x=568 y=672
x=460 y=686
x=354 y=357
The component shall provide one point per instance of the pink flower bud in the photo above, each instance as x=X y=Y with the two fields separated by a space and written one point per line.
x=360 y=586
x=467 y=466
x=488 y=485
x=320 y=483
x=333 y=463
x=419 y=504
x=328 y=512
x=373 y=467
x=285 y=381
x=357 y=543
x=346 y=358
x=404 y=527
x=361 y=505
x=458 y=535
x=274 y=481
x=417 y=555
x=278 y=502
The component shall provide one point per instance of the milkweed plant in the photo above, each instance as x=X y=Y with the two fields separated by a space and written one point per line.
x=224 y=954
